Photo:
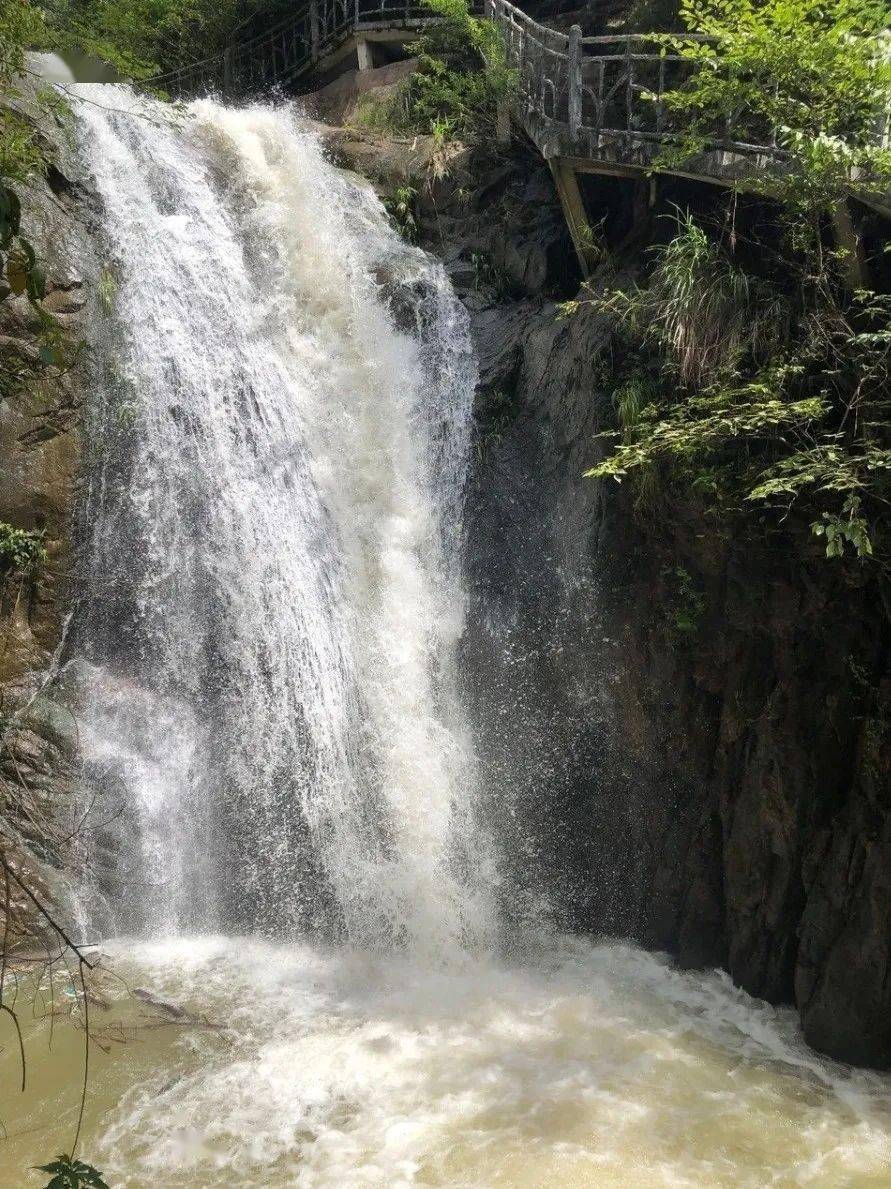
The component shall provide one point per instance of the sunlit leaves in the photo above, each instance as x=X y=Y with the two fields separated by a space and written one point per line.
x=846 y=528
x=815 y=75
x=140 y=38
x=796 y=412
x=462 y=76
x=20 y=549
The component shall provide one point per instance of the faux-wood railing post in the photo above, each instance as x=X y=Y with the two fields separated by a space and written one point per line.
x=574 y=81
x=314 y=29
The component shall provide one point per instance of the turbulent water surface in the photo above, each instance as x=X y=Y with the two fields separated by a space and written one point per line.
x=283 y=799
x=579 y=1066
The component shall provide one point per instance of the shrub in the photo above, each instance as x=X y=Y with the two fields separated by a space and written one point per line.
x=771 y=394
x=68 y=1173
x=771 y=397
x=144 y=37
x=462 y=74
x=402 y=209
x=21 y=550
x=700 y=309
x=818 y=74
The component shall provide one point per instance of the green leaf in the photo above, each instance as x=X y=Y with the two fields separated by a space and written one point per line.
x=72 y=1174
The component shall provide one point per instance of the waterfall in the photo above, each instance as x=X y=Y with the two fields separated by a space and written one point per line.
x=279 y=433
x=303 y=982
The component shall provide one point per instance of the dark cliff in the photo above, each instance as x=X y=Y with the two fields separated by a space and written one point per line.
x=682 y=717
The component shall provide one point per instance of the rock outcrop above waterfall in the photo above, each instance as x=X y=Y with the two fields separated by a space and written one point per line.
x=683 y=725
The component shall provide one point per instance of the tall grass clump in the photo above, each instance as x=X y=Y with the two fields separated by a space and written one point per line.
x=704 y=313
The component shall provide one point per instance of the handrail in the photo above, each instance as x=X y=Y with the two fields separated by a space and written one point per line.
x=577 y=101
x=242 y=46
x=290 y=49
x=572 y=98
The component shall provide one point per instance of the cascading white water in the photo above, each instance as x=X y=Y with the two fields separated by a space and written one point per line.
x=275 y=517
x=265 y=642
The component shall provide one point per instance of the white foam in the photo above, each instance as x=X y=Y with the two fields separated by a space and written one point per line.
x=279 y=513
x=587 y=1065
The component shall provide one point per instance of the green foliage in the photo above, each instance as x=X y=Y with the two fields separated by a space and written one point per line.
x=21 y=24
x=755 y=396
x=700 y=308
x=402 y=209
x=633 y=399
x=448 y=103
x=461 y=80
x=494 y=417
x=464 y=40
x=686 y=601
x=379 y=112
x=21 y=160
x=69 y=1173
x=848 y=528
x=462 y=75
x=700 y=423
x=818 y=74
x=144 y=37
x=21 y=550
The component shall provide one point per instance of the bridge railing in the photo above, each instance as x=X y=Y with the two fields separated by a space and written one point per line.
x=599 y=98
x=586 y=95
x=283 y=53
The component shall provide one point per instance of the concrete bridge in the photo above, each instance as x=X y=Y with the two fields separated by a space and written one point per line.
x=590 y=104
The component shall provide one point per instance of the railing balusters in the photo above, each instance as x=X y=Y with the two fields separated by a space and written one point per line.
x=549 y=65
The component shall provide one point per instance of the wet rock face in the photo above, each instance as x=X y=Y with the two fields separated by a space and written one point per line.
x=40 y=448
x=767 y=719
x=39 y=422
x=41 y=799
x=683 y=725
